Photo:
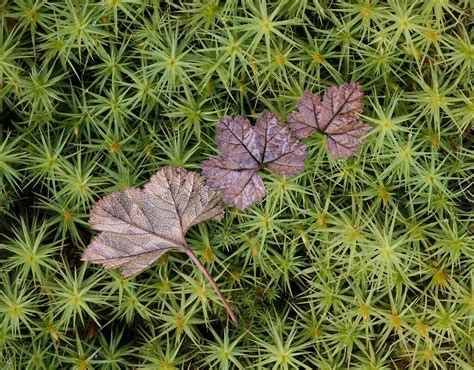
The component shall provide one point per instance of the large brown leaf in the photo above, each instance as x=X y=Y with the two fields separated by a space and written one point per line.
x=138 y=226
x=245 y=149
x=336 y=117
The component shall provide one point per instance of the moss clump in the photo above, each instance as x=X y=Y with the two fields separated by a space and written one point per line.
x=362 y=263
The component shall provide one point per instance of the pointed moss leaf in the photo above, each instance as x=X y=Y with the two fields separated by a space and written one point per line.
x=245 y=149
x=138 y=225
x=336 y=117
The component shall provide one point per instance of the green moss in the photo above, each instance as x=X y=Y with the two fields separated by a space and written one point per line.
x=363 y=263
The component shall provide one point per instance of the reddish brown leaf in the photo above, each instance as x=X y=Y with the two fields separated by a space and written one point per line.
x=343 y=141
x=340 y=103
x=236 y=138
x=304 y=122
x=138 y=225
x=336 y=116
x=280 y=153
x=241 y=187
x=245 y=149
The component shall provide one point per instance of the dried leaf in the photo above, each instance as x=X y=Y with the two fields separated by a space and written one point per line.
x=236 y=138
x=242 y=188
x=304 y=122
x=336 y=116
x=280 y=153
x=137 y=226
x=245 y=149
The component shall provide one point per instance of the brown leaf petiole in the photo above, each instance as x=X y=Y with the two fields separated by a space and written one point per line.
x=204 y=271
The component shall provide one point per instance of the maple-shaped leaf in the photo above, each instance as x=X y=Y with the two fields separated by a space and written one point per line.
x=245 y=149
x=137 y=226
x=336 y=117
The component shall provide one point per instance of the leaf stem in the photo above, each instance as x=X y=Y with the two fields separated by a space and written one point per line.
x=203 y=269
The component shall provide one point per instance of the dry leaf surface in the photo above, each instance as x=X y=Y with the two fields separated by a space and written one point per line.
x=336 y=116
x=138 y=225
x=245 y=149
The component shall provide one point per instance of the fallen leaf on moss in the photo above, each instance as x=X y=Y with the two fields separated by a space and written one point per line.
x=137 y=226
x=245 y=149
x=336 y=117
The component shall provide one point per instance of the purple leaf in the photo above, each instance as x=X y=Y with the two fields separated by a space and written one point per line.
x=336 y=117
x=281 y=153
x=241 y=187
x=245 y=149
